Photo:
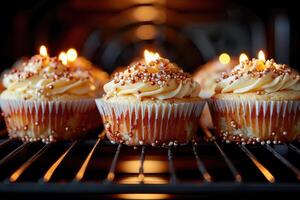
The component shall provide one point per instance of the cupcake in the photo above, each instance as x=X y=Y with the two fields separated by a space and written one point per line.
x=258 y=101
x=206 y=76
x=49 y=101
x=72 y=60
x=152 y=102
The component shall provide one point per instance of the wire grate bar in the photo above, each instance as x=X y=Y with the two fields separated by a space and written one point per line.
x=84 y=166
x=54 y=166
x=173 y=178
x=5 y=142
x=237 y=176
x=13 y=153
x=141 y=169
x=267 y=174
x=207 y=177
x=111 y=174
x=294 y=148
x=14 y=177
x=284 y=161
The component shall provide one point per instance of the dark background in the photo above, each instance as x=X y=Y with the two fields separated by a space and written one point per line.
x=113 y=32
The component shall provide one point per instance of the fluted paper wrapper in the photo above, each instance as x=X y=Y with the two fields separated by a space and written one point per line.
x=257 y=119
x=206 y=118
x=49 y=120
x=152 y=124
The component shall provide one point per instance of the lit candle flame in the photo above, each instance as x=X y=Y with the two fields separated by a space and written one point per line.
x=43 y=51
x=224 y=58
x=243 y=57
x=150 y=56
x=261 y=56
x=63 y=58
x=71 y=55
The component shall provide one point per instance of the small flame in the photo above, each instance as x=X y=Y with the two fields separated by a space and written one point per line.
x=261 y=55
x=71 y=55
x=63 y=58
x=43 y=51
x=150 y=56
x=224 y=58
x=243 y=57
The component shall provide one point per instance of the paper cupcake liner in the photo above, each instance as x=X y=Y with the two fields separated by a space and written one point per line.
x=49 y=120
x=153 y=124
x=206 y=118
x=256 y=121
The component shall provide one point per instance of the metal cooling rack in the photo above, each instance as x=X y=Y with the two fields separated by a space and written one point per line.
x=95 y=166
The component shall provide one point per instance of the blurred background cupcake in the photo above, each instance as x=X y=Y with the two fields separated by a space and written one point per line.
x=46 y=100
x=152 y=102
x=207 y=75
x=71 y=59
x=257 y=101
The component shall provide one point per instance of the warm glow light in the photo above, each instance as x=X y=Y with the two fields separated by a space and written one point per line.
x=148 y=1
x=146 y=32
x=146 y=180
x=224 y=58
x=150 y=56
x=150 y=166
x=43 y=51
x=93 y=87
x=143 y=196
x=243 y=57
x=71 y=55
x=261 y=55
x=63 y=58
x=145 y=13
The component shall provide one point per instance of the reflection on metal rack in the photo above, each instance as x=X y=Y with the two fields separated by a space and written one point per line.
x=234 y=171
x=111 y=174
x=151 y=170
x=260 y=166
x=284 y=161
x=83 y=168
x=52 y=169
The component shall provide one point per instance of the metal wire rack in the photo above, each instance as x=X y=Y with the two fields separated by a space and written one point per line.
x=95 y=166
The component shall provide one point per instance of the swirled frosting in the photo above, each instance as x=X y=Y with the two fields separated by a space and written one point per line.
x=260 y=77
x=101 y=77
x=159 y=79
x=47 y=78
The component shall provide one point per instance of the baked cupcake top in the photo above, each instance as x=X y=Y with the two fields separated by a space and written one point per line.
x=45 y=78
x=257 y=75
x=155 y=78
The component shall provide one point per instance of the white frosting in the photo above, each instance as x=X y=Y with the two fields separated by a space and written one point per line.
x=159 y=79
x=256 y=75
x=47 y=78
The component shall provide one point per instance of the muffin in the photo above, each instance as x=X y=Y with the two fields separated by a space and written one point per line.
x=257 y=101
x=46 y=100
x=206 y=76
x=152 y=102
